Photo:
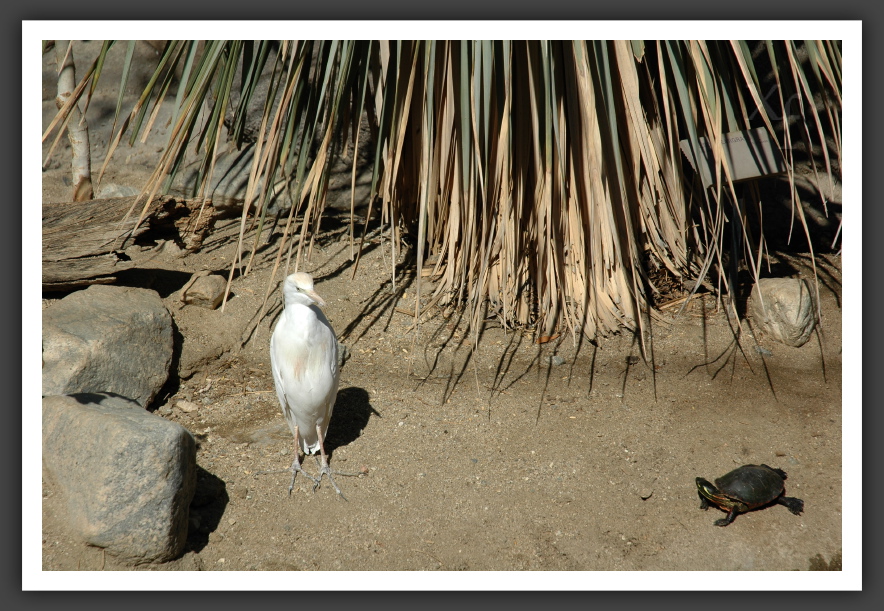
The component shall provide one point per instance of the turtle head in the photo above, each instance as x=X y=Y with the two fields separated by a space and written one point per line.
x=707 y=490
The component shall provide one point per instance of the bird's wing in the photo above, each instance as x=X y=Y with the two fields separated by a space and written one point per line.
x=275 y=366
x=329 y=345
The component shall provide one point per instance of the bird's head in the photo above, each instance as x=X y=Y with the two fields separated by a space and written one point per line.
x=298 y=286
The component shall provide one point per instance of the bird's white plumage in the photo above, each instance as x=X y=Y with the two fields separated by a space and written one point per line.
x=304 y=360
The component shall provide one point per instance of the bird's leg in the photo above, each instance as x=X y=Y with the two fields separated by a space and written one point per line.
x=324 y=468
x=296 y=466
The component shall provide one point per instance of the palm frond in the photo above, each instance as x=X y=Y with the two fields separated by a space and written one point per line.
x=540 y=177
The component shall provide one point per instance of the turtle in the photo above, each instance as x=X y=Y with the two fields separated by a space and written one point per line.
x=746 y=488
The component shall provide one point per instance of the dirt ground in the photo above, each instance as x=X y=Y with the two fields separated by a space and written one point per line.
x=518 y=456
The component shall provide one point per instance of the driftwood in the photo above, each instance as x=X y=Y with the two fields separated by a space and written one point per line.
x=83 y=242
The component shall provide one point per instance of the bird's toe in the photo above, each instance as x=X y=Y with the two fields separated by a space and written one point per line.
x=296 y=468
x=325 y=470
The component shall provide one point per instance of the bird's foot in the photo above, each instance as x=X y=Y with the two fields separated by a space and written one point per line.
x=324 y=469
x=296 y=468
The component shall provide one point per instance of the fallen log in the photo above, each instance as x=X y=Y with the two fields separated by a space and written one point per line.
x=83 y=242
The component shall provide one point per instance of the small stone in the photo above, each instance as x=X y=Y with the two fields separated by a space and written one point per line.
x=187 y=406
x=169 y=247
x=206 y=292
x=785 y=309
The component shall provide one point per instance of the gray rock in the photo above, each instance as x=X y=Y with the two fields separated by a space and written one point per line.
x=784 y=308
x=126 y=476
x=230 y=179
x=112 y=190
x=107 y=339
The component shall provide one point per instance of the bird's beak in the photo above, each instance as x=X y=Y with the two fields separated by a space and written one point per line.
x=316 y=298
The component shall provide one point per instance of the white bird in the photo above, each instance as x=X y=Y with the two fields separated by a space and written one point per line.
x=304 y=359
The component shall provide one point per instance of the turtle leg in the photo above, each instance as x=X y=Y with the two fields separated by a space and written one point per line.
x=731 y=514
x=704 y=502
x=794 y=505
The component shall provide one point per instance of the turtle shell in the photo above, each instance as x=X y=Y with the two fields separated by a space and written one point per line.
x=754 y=485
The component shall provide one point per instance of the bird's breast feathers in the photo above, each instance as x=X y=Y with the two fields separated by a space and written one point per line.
x=304 y=347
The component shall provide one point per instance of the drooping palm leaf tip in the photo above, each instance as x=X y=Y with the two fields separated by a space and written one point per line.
x=542 y=179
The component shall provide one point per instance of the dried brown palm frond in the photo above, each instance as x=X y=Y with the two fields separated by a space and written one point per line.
x=539 y=177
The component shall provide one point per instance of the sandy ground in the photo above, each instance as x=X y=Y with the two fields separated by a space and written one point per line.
x=503 y=458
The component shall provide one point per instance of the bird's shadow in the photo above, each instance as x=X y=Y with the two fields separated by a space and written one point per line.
x=350 y=417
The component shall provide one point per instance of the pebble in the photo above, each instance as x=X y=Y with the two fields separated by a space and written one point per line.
x=187 y=406
x=205 y=291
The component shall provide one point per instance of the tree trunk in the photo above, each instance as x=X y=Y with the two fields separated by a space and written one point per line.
x=78 y=130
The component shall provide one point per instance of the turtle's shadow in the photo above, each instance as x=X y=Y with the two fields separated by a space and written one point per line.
x=350 y=417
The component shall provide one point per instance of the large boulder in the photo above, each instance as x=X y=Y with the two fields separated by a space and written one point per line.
x=107 y=339
x=230 y=180
x=126 y=477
